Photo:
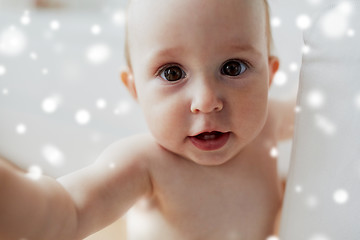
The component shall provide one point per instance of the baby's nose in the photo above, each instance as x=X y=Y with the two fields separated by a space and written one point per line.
x=206 y=98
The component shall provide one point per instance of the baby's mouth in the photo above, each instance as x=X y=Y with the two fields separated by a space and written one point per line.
x=209 y=135
x=210 y=141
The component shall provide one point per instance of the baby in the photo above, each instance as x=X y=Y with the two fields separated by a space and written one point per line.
x=200 y=70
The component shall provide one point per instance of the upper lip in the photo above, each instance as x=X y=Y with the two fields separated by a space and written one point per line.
x=208 y=131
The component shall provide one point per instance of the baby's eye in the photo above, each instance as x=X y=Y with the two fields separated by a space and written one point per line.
x=234 y=68
x=172 y=73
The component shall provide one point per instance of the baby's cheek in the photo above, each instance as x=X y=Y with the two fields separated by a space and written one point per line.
x=160 y=118
x=253 y=118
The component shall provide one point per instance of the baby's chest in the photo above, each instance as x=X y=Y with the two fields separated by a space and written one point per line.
x=210 y=201
x=207 y=213
x=238 y=200
x=212 y=207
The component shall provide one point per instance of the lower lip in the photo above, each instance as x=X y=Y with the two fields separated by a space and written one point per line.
x=210 y=145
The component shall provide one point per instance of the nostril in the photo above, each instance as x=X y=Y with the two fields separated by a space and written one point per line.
x=217 y=107
x=206 y=98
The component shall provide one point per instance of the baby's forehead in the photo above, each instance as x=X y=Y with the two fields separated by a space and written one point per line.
x=198 y=16
x=146 y=8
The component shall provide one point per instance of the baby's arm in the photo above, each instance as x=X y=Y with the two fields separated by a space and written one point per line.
x=104 y=191
x=76 y=205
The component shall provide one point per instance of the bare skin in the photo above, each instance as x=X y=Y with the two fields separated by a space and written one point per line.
x=237 y=200
x=205 y=170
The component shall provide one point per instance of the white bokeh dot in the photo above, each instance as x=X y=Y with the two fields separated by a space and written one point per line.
x=293 y=67
x=95 y=29
x=345 y=8
x=33 y=56
x=21 y=129
x=341 y=196
x=275 y=22
x=274 y=152
x=298 y=189
x=51 y=104
x=98 y=53
x=2 y=70
x=306 y=49
x=315 y=99
x=119 y=18
x=12 y=41
x=303 y=21
x=54 y=25
x=357 y=101
x=272 y=238
x=45 y=71
x=335 y=23
x=351 y=32
x=5 y=91
x=280 y=78
x=123 y=108
x=53 y=155
x=34 y=172
x=318 y=236
x=25 y=19
x=101 y=103
x=311 y=201
x=334 y=26
x=82 y=117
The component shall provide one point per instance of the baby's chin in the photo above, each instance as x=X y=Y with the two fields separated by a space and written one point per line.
x=210 y=159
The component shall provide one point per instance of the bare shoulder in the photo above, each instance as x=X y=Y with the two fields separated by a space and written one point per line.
x=136 y=152
x=134 y=148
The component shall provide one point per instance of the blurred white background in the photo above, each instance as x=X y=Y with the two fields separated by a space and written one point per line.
x=61 y=100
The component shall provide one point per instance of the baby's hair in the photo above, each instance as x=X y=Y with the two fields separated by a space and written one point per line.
x=268 y=34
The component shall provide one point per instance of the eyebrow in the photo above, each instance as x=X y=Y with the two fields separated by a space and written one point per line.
x=175 y=51
x=246 y=48
x=172 y=51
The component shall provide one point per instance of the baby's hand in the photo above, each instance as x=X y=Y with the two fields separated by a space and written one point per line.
x=31 y=206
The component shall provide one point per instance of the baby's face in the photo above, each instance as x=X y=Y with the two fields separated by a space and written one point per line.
x=201 y=74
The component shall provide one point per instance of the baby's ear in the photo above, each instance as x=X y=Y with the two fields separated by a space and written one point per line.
x=273 y=67
x=127 y=79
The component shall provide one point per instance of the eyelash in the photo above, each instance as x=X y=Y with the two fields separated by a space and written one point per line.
x=241 y=62
x=161 y=70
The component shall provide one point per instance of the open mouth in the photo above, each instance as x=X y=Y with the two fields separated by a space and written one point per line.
x=210 y=141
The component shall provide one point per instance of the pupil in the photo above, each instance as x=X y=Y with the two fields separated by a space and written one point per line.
x=173 y=73
x=232 y=69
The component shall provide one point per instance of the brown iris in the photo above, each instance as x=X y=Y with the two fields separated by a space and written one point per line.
x=173 y=73
x=233 y=68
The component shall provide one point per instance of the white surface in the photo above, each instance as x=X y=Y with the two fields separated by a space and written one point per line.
x=323 y=194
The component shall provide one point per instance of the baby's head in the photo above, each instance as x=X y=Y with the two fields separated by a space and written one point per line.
x=201 y=70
